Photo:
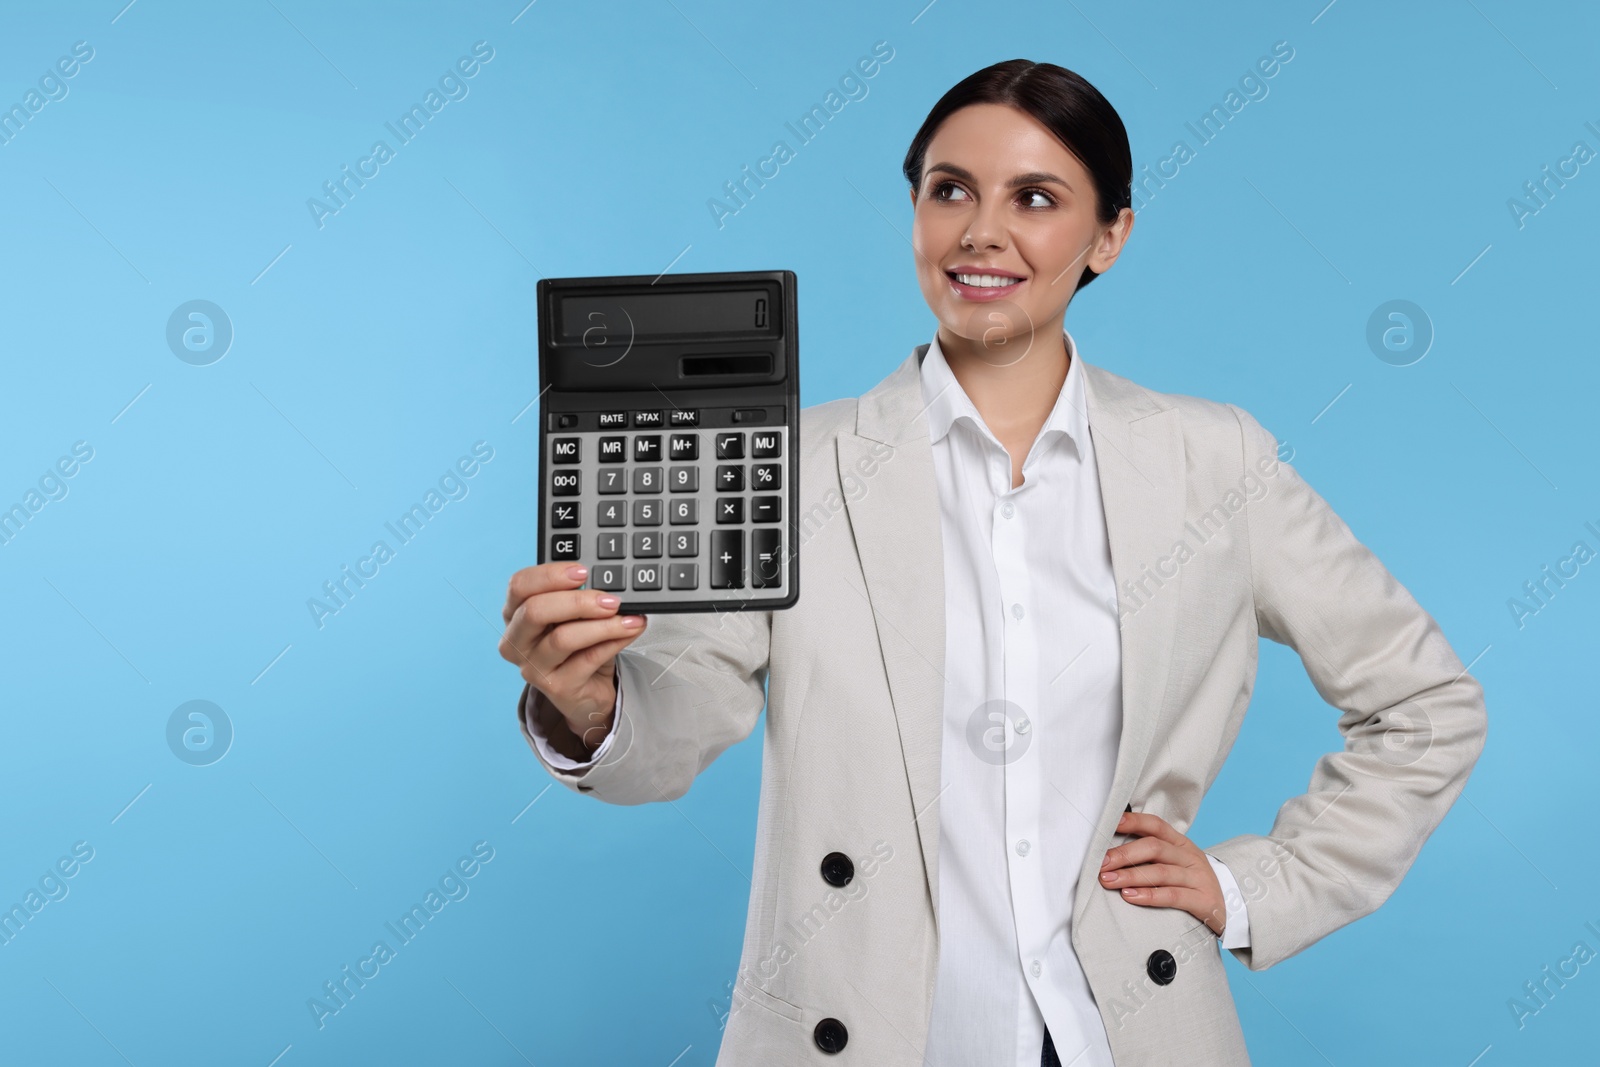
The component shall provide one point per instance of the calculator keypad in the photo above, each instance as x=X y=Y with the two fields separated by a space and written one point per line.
x=663 y=509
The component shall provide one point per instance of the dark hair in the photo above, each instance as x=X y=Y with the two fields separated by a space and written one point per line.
x=1066 y=105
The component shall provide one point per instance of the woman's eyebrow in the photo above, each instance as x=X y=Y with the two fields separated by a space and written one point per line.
x=1031 y=178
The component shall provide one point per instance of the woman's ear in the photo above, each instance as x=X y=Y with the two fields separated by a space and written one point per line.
x=913 y=191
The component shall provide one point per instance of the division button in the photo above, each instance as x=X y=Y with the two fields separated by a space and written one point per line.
x=766 y=559
x=727 y=559
x=730 y=477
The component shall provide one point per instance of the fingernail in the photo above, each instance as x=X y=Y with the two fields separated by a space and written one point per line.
x=633 y=621
x=1130 y=892
x=577 y=574
x=1107 y=861
x=1108 y=876
x=609 y=601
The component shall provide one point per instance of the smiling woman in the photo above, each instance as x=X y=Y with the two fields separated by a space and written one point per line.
x=983 y=676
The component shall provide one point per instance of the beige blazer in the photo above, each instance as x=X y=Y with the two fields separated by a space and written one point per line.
x=1214 y=543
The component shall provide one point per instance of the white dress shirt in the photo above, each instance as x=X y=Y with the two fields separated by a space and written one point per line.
x=1032 y=716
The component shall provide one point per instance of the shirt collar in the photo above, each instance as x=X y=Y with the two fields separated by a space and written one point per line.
x=946 y=402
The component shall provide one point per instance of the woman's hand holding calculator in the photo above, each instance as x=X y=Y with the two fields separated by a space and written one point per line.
x=565 y=640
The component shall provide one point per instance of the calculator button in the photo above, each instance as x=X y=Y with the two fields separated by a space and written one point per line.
x=727 y=559
x=685 y=417
x=682 y=576
x=612 y=513
x=611 y=546
x=613 y=420
x=684 y=479
x=766 y=476
x=649 y=419
x=683 y=446
x=647 y=479
x=563 y=421
x=750 y=415
x=683 y=543
x=766 y=444
x=647 y=448
x=766 y=559
x=684 y=512
x=564 y=546
x=611 y=577
x=612 y=480
x=730 y=477
x=646 y=546
x=730 y=446
x=647 y=512
x=730 y=509
x=564 y=516
x=766 y=508
x=613 y=449
x=647 y=576
x=566 y=449
x=564 y=483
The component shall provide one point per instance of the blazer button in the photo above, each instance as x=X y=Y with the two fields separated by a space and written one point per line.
x=830 y=1035
x=837 y=870
x=1161 y=967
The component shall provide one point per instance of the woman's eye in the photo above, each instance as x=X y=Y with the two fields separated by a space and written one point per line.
x=1029 y=194
x=940 y=191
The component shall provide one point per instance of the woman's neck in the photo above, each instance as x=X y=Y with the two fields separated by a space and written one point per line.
x=1013 y=385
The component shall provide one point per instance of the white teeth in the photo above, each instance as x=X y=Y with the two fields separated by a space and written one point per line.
x=986 y=281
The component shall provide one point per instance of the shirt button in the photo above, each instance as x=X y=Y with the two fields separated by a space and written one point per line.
x=1035 y=968
x=1016 y=611
x=1008 y=509
x=1023 y=726
x=1023 y=846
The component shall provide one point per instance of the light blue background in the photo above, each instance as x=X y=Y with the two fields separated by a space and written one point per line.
x=371 y=753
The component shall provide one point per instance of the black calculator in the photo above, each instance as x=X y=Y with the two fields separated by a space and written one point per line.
x=669 y=437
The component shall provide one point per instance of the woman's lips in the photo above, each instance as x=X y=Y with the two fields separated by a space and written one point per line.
x=984 y=292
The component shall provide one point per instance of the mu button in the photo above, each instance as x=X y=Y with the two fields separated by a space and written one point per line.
x=1161 y=967
x=837 y=870
x=830 y=1035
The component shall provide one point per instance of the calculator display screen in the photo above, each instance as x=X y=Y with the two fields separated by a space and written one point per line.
x=667 y=315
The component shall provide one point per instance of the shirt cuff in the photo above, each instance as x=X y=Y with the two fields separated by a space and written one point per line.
x=566 y=763
x=1236 y=926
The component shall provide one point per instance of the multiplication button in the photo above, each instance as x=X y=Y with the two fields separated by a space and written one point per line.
x=730 y=509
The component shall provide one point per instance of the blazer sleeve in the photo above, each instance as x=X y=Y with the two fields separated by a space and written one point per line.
x=1413 y=721
x=695 y=684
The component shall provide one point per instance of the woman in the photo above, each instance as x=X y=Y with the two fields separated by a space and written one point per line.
x=1034 y=592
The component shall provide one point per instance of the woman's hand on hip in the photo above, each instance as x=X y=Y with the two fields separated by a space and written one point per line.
x=1164 y=869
